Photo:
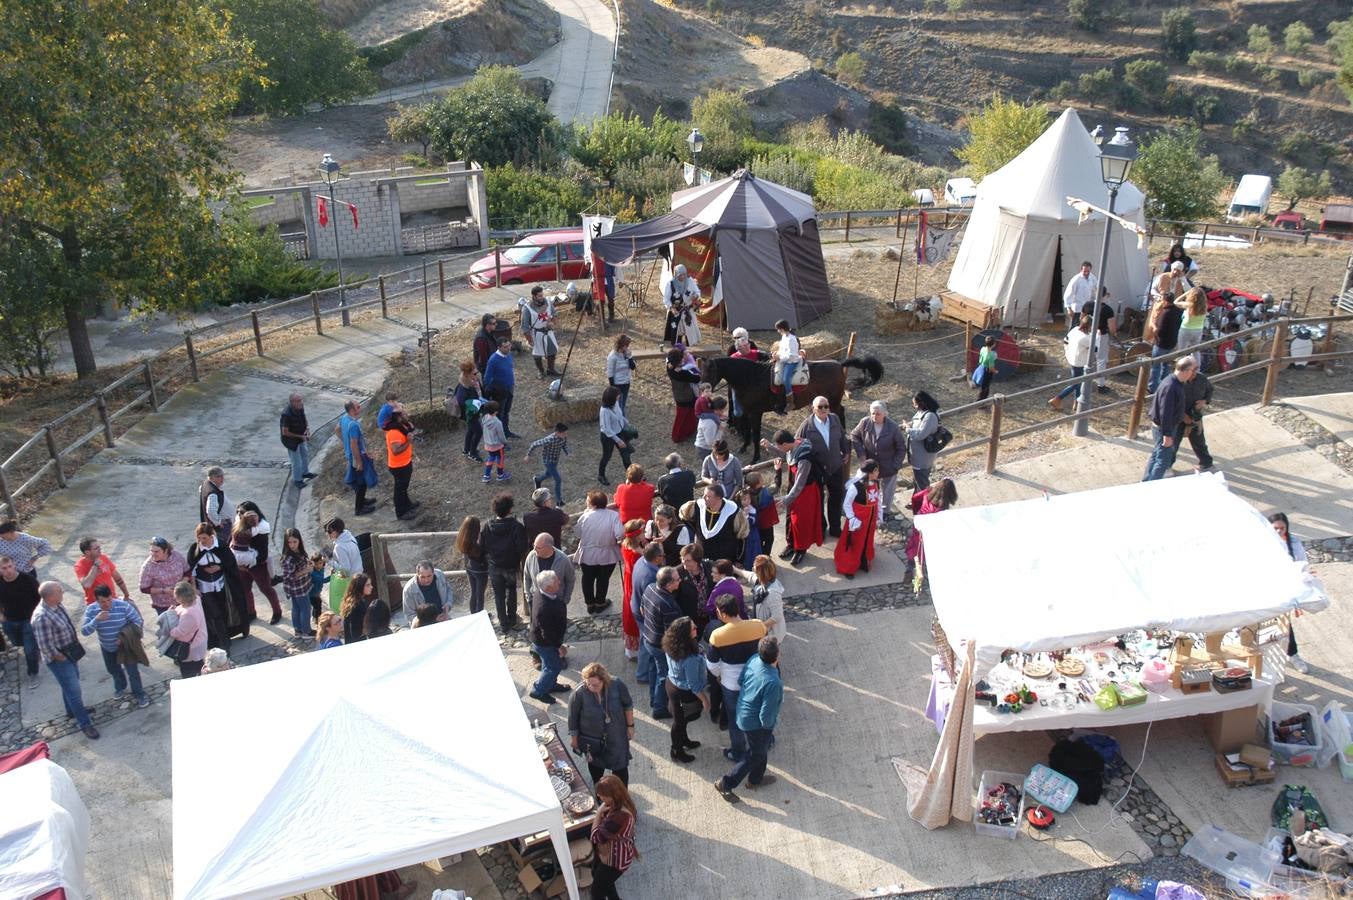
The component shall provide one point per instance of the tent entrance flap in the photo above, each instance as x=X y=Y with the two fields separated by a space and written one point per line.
x=1055 y=305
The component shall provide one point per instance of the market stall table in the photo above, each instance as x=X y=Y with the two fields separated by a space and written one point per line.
x=578 y=805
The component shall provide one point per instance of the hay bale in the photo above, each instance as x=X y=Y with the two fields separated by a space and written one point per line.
x=580 y=404
x=822 y=345
x=1031 y=359
x=1256 y=350
x=431 y=419
x=891 y=321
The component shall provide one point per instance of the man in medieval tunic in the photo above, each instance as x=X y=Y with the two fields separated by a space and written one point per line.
x=537 y=324
x=681 y=299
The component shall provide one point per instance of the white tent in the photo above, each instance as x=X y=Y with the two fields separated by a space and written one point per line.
x=1021 y=218
x=44 y=832
x=337 y=764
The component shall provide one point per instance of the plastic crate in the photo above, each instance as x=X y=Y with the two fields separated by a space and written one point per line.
x=1051 y=788
x=1301 y=755
x=1336 y=727
x=989 y=780
x=1246 y=866
x=1296 y=882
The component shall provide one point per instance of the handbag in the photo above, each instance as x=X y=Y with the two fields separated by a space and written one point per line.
x=628 y=433
x=691 y=709
x=178 y=650
x=74 y=651
x=938 y=440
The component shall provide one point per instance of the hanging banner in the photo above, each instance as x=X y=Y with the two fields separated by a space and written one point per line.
x=603 y=274
x=595 y=227
x=688 y=172
x=706 y=176
x=932 y=244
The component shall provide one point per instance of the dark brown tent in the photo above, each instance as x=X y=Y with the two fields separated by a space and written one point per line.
x=769 y=256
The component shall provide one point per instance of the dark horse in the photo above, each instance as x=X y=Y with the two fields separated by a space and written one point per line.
x=752 y=381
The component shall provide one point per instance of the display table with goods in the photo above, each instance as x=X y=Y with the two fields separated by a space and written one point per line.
x=1118 y=606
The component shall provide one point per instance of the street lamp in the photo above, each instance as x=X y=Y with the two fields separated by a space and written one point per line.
x=1115 y=161
x=696 y=141
x=328 y=167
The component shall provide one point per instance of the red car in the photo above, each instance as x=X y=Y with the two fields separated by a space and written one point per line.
x=532 y=259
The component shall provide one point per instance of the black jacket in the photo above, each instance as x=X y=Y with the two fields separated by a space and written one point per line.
x=503 y=542
x=677 y=488
x=549 y=621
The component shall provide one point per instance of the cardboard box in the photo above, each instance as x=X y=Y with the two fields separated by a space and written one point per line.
x=1254 y=755
x=1245 y=775
x=1230 y=730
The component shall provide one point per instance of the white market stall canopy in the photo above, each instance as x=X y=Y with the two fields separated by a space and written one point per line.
x=1061 y=571
x=44 y=832
x=337 y=764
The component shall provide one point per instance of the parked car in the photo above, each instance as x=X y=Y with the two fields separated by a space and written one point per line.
x=960 y=192
x=533 y=259
x=1251 y=197
x=1289 y=220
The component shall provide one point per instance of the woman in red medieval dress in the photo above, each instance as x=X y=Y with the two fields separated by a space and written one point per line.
x=631 y=548
x=855 y=546
x=803 y=503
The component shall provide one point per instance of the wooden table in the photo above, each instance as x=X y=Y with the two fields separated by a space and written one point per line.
x=575 y=826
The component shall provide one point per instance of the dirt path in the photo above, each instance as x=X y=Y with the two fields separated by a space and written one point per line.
x=390 y=20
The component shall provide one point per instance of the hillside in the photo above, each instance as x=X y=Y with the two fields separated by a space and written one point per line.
x=941 y=66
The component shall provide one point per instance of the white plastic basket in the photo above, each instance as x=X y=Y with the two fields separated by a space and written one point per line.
x=989 y=780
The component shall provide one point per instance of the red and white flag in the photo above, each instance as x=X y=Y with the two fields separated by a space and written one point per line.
x=323 y=213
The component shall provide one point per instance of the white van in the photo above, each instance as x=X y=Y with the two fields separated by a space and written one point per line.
x=960 y=192
x=1251 y=198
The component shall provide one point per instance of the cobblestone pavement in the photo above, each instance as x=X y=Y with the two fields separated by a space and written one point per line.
x=1311 y=433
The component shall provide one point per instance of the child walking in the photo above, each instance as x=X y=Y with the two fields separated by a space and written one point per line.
x=317 y=582
x=495 y=442
x=551 y=446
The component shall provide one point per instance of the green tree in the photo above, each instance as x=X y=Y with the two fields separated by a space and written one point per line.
x=411 y=125
x=725 y=122
x=1000 y=132
x=258 y=265
x=1181 y=183
x=607 y=143
x=1180 y=32
x=303 y=60
x=530 y=198
x=30 y=262
x=1296 y=184
x=850 y=68
x=1093 y=15
x=1205 y=108
x=115 y=120
x=1297 y=37
x=1149 y=77
x=1340 y=47
x=1100 y=87
x=492 y=120
x=1259 y=40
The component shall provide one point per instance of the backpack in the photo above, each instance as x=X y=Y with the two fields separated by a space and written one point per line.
x=938 y=439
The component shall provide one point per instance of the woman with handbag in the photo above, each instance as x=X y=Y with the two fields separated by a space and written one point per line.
x=612 y=837
x=601 y=723
x=599 y=534
x=189 y=648
x=923 y=424
x=685 y=683
x=616 y=432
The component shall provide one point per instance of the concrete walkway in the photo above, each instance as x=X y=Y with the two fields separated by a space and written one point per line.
x=835 y=826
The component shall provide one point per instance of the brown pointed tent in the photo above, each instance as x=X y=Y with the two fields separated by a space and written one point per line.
x=769 y=256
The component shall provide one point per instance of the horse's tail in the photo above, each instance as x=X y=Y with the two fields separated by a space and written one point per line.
x=869 y=365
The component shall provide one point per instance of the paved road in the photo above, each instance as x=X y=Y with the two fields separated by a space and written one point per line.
x=579 y=65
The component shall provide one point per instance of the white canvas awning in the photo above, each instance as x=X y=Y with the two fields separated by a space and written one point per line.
x=44 y=832
x=1183 y=553
x=337 y=764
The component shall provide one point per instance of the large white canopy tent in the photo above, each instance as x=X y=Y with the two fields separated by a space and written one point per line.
x=1020 y=220
x=1135 y=563
x=359 y=760
x=44 y=833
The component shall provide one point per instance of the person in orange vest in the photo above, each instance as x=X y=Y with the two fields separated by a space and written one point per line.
x=399 y=434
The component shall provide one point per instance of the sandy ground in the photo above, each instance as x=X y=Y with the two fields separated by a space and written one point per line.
x=390 y=20
x=290 y=148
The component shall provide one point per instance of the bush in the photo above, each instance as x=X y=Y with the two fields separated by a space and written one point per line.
x=888 y=126
x=1206 y=61
x=1100 y=87
x=839 y=185
x=1297 y=37
x=1180 y=182
x=1260 y=41
x=382 y=55
x=1269 y=74
x=725 y=121
x=1000 y=132
x=1180 y=32
x=1235 y=65
x=1093 y=15
x=493 y=121
x=530 y=198
x=605 y=144
x=260 y=267
x=305 y=60
x=1150 y=77
x=782 y=168
x=1244 y=127
x=850 y=68
x=1309 y=78
x=1205 y=108
x=649 y=179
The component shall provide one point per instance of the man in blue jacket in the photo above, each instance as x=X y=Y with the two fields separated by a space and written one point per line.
x=500 y=383
x=1168 y=407
x=758 y=710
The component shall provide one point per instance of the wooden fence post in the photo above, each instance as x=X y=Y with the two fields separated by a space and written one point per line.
x=441 y=281
x=1274 y=363
x=1138 y=399
x=850 y=346
x=5 y=497
x=967 y=345
x=56 y=456
x=192 y=354
x=994 y=443
x=378 y=566
x=258 y=335
x=314 y=306
x=847 y=226
x=150 y=387
x=898 y=231
x=1206 y=225
x=558 y=262
x=385 y=309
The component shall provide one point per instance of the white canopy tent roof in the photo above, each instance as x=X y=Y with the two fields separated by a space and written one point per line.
x=1133 y=562
x=1009 y=249
x=44 y=832
x=361 y=759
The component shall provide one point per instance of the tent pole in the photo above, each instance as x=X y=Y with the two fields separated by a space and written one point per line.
x=559 y=838
x=898 y=280
x=569 y=355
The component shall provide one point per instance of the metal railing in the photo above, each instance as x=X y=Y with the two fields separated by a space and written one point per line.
x=51 y=451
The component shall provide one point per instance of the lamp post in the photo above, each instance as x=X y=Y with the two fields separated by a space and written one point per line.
x=1115 y=161
x=696 y=141
x=328 y=167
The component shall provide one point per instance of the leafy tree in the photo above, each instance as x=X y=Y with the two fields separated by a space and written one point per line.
x=620 y=138
x=29 y=262
x=1205 y=108
x=1148 y=76
x=1206 y=61
x=303 y=60
x=1341 y=48
x=1093 y=15
x=1181 y=183
x=492 y=120
x=411 y=125
x=115 y=119
x=1296 y=184
x=1180 y=32
x=530 y=198
x=1260 y=41
x=1100 y=87
x=850 y=68
x=1000 y=132
x=259 y=267
x=1297 y=37
x=888 y=126
x=725 y=121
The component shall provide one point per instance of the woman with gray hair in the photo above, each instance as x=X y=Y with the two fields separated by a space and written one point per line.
x=879 y=438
